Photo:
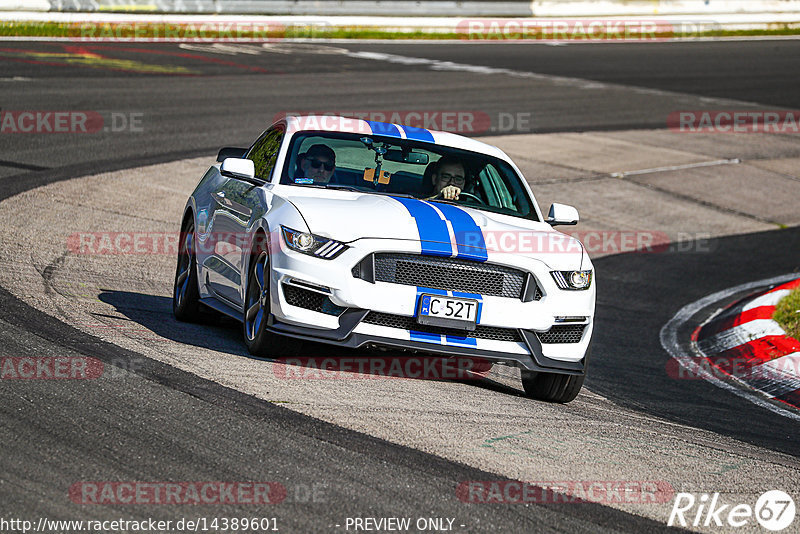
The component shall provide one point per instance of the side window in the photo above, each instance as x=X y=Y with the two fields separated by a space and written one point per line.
x=495 y=188
x=265 y=152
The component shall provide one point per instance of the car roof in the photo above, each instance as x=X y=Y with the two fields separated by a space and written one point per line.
x=331 y=123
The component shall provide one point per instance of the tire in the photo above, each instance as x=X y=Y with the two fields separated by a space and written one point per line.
x=185 y=293
x=259 y=341
x=552 y=387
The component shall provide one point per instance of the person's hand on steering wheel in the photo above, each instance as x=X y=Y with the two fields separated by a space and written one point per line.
x=450 y=192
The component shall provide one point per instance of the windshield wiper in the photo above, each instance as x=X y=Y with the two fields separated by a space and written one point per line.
x=443 y=201
x=344 y=188
x=339 y=187
x=368 y=191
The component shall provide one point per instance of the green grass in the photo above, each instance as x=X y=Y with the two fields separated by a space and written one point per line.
x=787 y=313
x=194 y=32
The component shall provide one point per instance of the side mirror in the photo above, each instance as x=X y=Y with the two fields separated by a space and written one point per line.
x=230 y=152
x=242 y=169
x=562 y=214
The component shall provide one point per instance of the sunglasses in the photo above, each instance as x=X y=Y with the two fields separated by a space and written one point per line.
x=316 y=164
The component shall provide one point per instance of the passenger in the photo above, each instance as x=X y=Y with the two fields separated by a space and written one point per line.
x=318 y=163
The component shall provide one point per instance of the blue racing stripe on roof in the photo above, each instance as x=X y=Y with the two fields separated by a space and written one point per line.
x=469 y=238
x=418 y=134
x=384 y=128
x=433 y=234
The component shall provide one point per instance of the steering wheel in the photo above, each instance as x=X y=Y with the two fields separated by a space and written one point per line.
x=462 y=193
x=470 y=195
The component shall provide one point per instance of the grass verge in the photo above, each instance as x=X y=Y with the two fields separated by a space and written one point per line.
x=787 y=313
x=213 y=31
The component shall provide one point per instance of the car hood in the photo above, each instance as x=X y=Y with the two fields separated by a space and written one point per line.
x=443 y=229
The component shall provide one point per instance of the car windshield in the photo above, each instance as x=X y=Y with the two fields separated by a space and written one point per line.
x=401 y=167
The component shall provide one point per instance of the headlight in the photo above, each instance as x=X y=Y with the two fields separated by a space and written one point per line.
x=311 y=244
x=572 y=279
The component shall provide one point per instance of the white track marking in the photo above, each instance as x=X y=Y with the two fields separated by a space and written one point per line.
x=740 y=334
x=677 y=167
x=669 y=340
x=440 y=65
x=777 y=376
x=229 y=49
x=767 y=299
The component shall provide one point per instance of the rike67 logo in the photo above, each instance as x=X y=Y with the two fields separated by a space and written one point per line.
x=774 y=510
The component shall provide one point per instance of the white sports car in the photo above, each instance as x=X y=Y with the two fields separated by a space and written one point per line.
x=366 y=234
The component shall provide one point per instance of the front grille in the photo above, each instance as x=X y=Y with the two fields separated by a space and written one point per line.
x=450 y=274
x=410 y=323
x=310 y=300
x=568 y=333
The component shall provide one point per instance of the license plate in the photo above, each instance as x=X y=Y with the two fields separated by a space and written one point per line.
x=453 y=312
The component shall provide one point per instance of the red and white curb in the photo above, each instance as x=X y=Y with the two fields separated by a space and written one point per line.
x=744 y=343
x=740 y=348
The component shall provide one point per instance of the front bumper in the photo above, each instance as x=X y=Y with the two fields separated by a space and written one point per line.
x=344 y=336
x=357 y=297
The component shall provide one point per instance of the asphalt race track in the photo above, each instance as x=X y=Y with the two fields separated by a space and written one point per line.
x=185 y=403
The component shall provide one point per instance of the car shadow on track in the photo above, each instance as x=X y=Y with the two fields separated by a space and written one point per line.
x=152 y=315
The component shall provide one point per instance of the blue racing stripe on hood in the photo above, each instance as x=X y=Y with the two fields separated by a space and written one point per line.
x=418 y=134
x=433 y=234
x=384 y=128
x=469 y=238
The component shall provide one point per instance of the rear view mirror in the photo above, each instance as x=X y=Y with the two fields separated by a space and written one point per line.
x=230 y=152
x=400 y=156
x=241 y=169
x=562 y=214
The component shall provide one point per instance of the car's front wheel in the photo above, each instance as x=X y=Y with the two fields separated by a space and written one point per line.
x=552 y=387
x=185 y=294
x=259 y=340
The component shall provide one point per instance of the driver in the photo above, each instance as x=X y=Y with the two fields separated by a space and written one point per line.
x=318 y=163
x=449 y=178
